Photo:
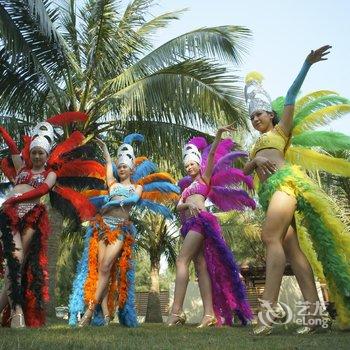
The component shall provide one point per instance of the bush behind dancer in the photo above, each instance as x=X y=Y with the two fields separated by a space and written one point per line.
x=210 y=175
x=285 y=192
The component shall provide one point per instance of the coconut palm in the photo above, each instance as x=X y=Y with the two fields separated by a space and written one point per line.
x=99 y=58
x=158 y=236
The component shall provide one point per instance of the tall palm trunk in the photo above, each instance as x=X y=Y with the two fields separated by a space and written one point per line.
x=56 y=221
x=154 y=313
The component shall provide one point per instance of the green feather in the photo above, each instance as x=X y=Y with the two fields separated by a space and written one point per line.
x=321 y=102
x=327 y=140
x=278 y=105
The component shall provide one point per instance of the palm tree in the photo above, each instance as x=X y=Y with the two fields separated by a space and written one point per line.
x=158 y=236
x=98 y=58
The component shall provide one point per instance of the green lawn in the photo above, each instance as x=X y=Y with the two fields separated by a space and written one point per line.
x=58 y=335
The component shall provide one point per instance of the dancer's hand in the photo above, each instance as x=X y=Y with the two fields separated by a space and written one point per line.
x=319 y=54
x=230 y=127
x=193 y=209
x=100 y=142
x=265 y=165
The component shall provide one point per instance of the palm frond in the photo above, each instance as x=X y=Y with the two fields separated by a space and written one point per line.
x=195 y=87
x=160 y=21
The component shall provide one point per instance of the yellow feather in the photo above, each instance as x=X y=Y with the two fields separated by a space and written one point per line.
x=301 y=102
x=312 y=160
x=321 y=117
x=254 y=76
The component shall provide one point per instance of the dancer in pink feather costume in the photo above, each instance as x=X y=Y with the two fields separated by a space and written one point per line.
x=210 y=175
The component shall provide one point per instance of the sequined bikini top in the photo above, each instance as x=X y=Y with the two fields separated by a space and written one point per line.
x=121 y=190
x=26 y=176
x=275 y=138
x=196 y=187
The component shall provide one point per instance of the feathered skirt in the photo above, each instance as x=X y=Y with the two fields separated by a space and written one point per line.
x=121 y=289
x=228 y=290
x=322 y=235
x=28 y=284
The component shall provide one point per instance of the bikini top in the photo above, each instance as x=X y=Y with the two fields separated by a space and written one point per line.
x=196 y=187
x=26 y=176
x=275 y=138
x=121 y=190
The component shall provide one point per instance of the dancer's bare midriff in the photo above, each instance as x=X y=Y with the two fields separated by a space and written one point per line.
x=274 y=156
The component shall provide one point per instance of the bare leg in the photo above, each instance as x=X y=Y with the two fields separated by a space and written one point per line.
x=191 y=245
x=3 y=296
x=204 y=287
x=278 y=218
x=109 y=254
x=301 y=268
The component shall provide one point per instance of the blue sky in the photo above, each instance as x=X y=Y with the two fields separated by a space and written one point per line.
x=283 y=33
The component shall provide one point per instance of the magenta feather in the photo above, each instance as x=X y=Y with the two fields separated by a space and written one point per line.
x=185 y=182
x=230 y=199
x=199 y=141
x=230 y=177
x=226 y=161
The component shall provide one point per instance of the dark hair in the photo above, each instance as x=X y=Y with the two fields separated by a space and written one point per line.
x=275 y=119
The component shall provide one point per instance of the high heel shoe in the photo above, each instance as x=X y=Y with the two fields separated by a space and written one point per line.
x=278 y=315
x=211 y=321
x=324 y=325
x=86 y=319
x=178 y=319
x=20 y=323
x=107 y=320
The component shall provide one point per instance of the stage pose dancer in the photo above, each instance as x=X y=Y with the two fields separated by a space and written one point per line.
x=105 y=274
x=295 y=206
x=210 y=175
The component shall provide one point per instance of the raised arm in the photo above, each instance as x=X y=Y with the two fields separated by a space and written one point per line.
x=110 y=179
x=286 y=122
x=210 y=163
x=15 y=153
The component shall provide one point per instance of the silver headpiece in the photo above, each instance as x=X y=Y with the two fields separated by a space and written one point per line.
x=42 y=142
x=126 y=155
x=256 y=96
x=190 y=152
x=43 y=129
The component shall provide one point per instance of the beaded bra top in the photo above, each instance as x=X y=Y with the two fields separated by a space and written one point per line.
x=196 y=187
x=275 y=138
x=121 y=190
x=26 y=176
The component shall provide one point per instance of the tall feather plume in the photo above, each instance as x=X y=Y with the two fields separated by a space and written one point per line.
x=75 y=140
x=230 y=199
x=226 y=162
x=317 y=104
x=8 y=168
x=312 y=160
x=278 y=105
x=155 y=207
x=68 y=118
x=184 y=182
x=312 y=96
x=321 y=117
x=199 y=141
x=156 y=177
x=83 y=168
x=327 y=140
x=161 y=186
x=143 y=169
x=25 y=151
x=224 y=146
x=230 y=177
x=129 y=139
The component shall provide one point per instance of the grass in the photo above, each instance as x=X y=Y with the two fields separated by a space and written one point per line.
x=58 y=335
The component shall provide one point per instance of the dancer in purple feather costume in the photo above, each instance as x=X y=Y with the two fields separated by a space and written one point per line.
x=210 y=175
